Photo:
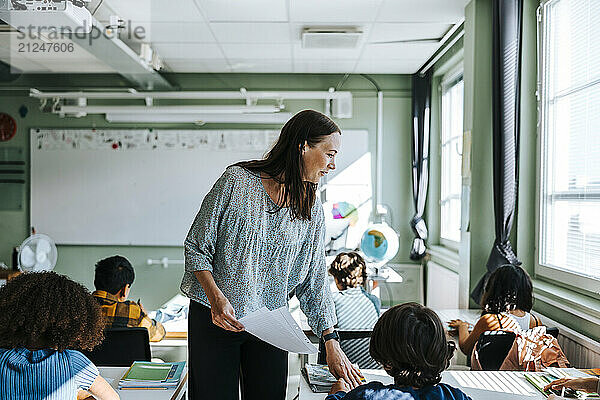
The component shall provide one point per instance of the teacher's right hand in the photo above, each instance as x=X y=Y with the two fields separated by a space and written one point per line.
x=223 y=315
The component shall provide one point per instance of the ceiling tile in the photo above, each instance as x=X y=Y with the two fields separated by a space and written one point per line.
x=188 y=50
x=260 y=65
x=326 y=54
x=157 y=10
x=334 y=11
x=445 y=11
x=197 y=65
x=248 y=11
x=161 y=32
x=390 y=66
x=324 y=66
x=251 y=32
x=388 y=32
x=421 y=51
x=270 y=51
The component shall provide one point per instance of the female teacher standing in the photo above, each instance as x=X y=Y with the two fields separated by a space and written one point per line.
x=257 y=239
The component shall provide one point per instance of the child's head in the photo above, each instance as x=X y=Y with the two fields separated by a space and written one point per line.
x=508 y=288
x=349 y=270
x=409 y=341
x=44 y=310
x=114 y=275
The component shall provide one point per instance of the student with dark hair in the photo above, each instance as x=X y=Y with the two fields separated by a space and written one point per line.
x=113 y=279
x=354 y=307
x=259 y=236
x=45 y=320
x=506 y=305
x=409 y=341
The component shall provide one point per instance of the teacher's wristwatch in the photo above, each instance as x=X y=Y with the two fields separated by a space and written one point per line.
x=333 y=335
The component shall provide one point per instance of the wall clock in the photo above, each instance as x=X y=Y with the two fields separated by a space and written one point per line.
x=8 y=127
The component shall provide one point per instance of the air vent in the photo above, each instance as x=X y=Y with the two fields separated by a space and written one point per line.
x=331 y=38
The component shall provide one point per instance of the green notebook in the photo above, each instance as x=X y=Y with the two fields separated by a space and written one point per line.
x=148 y=371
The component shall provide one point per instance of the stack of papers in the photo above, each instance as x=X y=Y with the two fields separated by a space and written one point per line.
x=151 y=375
x=318 y=377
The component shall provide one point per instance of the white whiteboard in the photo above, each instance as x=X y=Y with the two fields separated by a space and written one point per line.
x=138 y=187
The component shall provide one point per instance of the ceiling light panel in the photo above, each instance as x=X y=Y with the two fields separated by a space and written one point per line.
x=244 y=11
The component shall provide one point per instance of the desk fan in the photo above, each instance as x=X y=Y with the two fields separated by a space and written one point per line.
x=37 y=253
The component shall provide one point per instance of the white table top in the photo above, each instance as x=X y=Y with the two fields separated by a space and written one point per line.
x=114 y=374
x=479 y=385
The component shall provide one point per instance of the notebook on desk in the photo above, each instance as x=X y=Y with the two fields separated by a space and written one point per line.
x=152 y=375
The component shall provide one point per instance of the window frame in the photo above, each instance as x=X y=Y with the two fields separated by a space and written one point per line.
x=571 y=280
x=448 y=80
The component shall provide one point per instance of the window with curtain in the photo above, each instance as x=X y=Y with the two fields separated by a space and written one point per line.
x=569 y=206
x=451 y=153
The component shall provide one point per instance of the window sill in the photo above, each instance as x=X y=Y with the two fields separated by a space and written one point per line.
x=574 y=303
x=444 y=256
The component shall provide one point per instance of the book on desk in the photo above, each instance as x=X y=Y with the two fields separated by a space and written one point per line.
x=152 y=375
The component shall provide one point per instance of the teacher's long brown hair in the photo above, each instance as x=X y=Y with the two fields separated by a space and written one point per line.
x=283 y=163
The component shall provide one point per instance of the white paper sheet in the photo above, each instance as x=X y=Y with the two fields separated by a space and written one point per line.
x=278 y=328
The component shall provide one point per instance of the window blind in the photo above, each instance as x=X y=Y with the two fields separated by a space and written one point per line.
x=570 y=147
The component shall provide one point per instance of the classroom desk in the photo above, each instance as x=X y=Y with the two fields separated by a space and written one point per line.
x=479 y=385
x=114 y=374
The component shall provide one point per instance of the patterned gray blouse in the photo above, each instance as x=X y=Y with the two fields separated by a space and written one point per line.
x=257 y=258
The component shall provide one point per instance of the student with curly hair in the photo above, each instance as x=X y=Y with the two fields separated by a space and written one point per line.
x=354 y=307
x=506 y=305
x=45 y=319
x=410 y=343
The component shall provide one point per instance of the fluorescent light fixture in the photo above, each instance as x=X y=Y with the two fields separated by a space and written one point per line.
x=278 y=118
x=167 y=109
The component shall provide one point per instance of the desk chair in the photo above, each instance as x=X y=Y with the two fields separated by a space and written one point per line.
x=355 y=344
x=121 y=347
x=493 y=347
x=552 y=331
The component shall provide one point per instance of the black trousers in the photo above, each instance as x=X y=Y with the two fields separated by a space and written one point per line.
x=221 y=362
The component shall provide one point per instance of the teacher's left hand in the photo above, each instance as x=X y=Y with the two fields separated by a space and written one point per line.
x=340 y=366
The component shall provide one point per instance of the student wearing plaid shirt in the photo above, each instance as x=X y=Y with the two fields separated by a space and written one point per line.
x=114 y=276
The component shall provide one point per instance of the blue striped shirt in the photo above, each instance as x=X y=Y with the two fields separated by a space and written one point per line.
x=356 y=309
x=257 y=258
x=44 y=374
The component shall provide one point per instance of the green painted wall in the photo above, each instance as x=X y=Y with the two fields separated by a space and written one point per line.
x=478 y=120
x=155 y=284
